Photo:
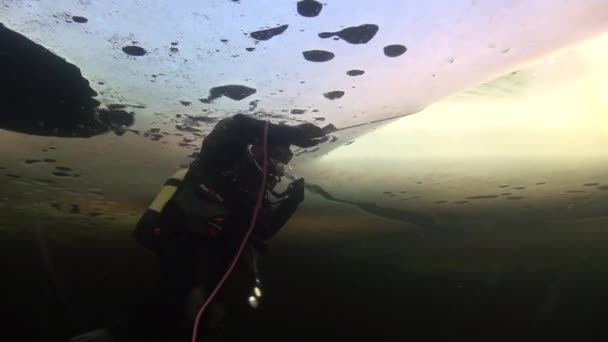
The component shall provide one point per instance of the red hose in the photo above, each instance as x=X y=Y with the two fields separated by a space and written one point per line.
x=237 y=256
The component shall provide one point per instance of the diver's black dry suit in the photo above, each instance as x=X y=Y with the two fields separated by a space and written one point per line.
x=205 y=221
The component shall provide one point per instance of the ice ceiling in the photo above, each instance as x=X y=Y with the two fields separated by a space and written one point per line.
x=170 y=64
x=348 y=62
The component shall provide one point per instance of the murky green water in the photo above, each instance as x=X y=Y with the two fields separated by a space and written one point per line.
x=335 y=271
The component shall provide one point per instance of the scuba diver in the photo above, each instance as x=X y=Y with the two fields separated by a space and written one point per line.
x=201 y=216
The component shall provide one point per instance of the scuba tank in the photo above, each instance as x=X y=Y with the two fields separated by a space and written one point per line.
x=148 y=231
x=180 y=208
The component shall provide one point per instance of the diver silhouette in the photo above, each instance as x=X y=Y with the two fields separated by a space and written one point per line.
x=199 y=218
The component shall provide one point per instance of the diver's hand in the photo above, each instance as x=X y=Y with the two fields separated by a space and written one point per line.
x=295 y=191
x=307 y=135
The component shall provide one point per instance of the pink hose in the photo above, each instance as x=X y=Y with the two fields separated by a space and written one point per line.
x=243 y=243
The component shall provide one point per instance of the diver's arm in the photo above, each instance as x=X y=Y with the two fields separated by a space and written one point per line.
x=274 y=219
x=237 y=132
x=229 y=139
x=251 y=130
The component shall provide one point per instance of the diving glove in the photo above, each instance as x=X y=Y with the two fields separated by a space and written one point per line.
x=295 y=191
